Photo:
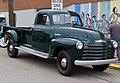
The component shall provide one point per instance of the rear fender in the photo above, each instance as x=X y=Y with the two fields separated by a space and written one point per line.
x=11 y=34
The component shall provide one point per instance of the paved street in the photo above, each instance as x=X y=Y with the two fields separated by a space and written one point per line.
x=30 y=69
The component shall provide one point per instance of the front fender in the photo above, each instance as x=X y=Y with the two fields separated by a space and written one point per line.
x=64 y=41
x=68 y=43
x=12 y=34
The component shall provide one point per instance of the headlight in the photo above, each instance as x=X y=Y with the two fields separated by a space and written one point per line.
x=79 y=45
x=115 y=44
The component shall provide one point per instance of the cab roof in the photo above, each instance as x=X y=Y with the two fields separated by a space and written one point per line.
x=50 y=11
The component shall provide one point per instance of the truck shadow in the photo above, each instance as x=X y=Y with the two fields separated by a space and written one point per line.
x=78 y=71
x=88 y=70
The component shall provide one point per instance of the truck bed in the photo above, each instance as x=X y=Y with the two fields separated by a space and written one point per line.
x=24 y=33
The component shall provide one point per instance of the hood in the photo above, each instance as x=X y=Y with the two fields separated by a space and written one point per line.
x=81 y=34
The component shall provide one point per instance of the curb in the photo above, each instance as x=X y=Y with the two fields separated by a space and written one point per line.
x=114 y=66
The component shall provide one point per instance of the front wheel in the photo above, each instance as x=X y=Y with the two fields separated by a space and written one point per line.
x=11 y=50
x=100 y=67
x=64 y=63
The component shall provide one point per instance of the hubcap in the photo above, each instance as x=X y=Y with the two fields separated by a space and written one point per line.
x=11 y=48
x=64 y=62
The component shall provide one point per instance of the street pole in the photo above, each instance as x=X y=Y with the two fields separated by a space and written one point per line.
x=11 y=17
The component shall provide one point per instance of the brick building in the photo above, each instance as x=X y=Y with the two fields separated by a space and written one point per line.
x=26 y=9
x=36 y=4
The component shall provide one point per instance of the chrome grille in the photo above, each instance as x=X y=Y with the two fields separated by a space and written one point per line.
x=97 y=51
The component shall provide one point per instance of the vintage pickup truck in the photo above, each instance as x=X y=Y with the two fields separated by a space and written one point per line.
x=60 y=35
x=2 y=22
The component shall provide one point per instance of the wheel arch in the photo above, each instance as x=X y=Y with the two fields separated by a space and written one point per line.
x=11 y=34
x=57 y=50
x=67 y=44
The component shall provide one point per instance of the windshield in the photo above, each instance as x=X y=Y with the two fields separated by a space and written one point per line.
x=75 y=21
x=2 y=19
x=61 y=19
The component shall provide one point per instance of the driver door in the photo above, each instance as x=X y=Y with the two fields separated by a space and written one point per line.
x=41 y=33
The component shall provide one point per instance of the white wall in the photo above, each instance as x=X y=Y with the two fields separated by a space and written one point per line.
x=26 y=17
x=23 y=17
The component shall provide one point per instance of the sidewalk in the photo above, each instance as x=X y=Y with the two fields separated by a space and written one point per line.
x=114 y=66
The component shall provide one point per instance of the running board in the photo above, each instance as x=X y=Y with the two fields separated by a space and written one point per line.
x=34 y=52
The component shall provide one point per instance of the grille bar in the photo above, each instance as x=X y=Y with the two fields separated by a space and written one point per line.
x=97 y=51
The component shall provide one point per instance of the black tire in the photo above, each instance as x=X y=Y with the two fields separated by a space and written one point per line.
x=11 y=50
x=67 y=70
x=100 y=67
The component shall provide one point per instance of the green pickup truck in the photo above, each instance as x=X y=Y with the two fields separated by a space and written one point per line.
x=60 y=35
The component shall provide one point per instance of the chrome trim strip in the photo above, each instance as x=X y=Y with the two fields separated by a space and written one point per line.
x=100 y=41
x=27 y=45
x=57 y=34
x=34 y=52
x=95 y=62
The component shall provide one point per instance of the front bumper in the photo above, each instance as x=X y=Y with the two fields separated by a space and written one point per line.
x=95 y=62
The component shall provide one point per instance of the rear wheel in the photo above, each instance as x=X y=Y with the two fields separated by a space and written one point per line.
x=12 y=51
x=64 y=63
x=100 y=67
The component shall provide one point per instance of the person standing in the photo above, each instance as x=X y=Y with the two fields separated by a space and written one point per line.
x=115 y=15
x=83 y=17
x=94 y=24
x=114 y=30
x=88 y=21
x=104 y=26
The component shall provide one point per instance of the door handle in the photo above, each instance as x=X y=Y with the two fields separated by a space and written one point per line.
x=57 y=34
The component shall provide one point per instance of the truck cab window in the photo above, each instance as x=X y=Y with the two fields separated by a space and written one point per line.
x=43 y=20
x=61 y=19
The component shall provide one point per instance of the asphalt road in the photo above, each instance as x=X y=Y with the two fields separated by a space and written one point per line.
x=30 y=69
